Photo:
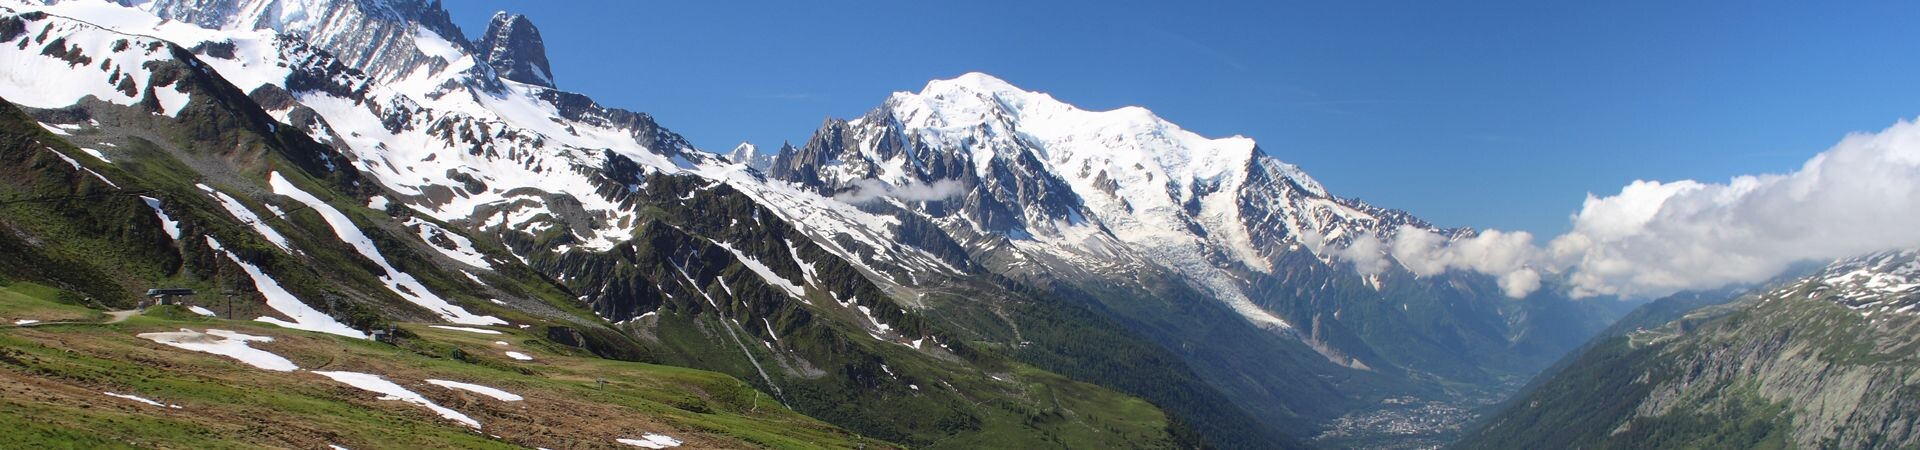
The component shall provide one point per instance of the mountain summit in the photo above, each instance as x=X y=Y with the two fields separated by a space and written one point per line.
x=913 y=274
x=386 y=39
x=1208 y=245
x=513 y=47
x=1042 y=170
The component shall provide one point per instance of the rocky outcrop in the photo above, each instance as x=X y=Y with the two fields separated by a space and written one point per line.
x=1046 y=193
x=512 y=45
x=1814 y=363
x=386 y=39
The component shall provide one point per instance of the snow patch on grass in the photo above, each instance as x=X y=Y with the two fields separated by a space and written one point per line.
x=224 y=343
x=389 y=391
x=478 y=389
x=651 y=440
x=469 y=330
x=166 y=221
x=97 y=154
x=77 y=167
x=304 y=317
x=399 y=282
x=142 y=400
x=240 y=211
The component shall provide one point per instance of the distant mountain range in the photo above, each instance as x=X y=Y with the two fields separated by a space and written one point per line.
x=971 y=265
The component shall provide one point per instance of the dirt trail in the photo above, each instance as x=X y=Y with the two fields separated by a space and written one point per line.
x=112 y=317
x=120 y=316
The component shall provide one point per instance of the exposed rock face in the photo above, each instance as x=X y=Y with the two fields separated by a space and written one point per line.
x=387 y=39
x=1179 y=237
x=1827 y=361
x=638 y=245
x=1106 y=202
x=513 y=47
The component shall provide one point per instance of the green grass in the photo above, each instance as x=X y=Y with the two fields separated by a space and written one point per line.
x=113 y=249
x=53 y=377
x=1068 y=414
x=25 y=300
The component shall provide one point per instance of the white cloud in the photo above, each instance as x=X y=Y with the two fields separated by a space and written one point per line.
x=1860 y=196
x=1519 y=283
x=871 y=189
x=1426 y=253
x=1653 y=238
x=1367 y=253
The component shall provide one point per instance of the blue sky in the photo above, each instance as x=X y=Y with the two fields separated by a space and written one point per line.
x=1495 y=115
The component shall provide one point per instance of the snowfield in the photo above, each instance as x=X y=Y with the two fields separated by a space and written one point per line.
x=466 y=329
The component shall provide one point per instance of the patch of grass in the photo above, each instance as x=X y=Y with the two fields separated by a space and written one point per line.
x=30 y=301
x=52 y=380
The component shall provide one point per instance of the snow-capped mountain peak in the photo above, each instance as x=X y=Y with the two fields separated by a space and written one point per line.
x=1129 y=139
x=444 y=133
x=386 y=39
x=1128 y=148
x=749 y=154
x=1078 y=186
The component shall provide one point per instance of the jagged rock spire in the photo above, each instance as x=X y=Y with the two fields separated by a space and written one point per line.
x=514 y=48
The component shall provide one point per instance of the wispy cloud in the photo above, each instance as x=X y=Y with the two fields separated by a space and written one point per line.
x=871 y=189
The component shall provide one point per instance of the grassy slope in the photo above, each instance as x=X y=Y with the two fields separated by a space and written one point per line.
x=81 y=234
x=1031 y=415
x=927 y=398
x=55 y=375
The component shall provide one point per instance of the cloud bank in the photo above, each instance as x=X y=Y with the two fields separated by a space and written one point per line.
x=1654 y=238
x=872 y=189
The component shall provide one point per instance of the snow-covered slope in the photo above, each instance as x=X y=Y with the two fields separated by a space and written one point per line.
x=955 y=185
x=387 y=39
x=458 y=141
x=1061 y=180
x=1881 y=283
x=56 y=63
